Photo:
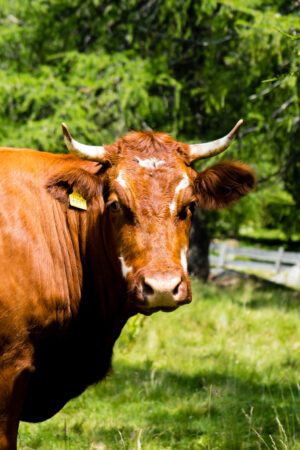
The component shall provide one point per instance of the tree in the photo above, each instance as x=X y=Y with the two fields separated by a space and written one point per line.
x=188 y=68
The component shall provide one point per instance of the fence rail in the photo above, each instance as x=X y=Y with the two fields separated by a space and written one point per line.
x=252 y=258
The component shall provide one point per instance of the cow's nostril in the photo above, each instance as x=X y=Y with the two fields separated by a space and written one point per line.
x=176 y=289
x=147 y=289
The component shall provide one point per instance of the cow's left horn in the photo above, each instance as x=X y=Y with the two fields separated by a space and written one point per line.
x=91 y=152
x=208 y=149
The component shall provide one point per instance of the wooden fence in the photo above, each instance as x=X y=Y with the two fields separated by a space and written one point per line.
x=223 y=255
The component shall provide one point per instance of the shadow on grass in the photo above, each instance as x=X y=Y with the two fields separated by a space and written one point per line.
x=140 y=407
x=274 y=296
x=260 y=293
x=180 y=408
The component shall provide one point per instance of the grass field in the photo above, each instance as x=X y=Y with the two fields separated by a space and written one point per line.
x=221 y=373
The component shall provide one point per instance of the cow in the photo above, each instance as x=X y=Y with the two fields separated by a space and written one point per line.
x=87 y=240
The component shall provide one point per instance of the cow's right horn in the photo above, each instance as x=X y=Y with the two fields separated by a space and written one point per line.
x=91 y=152
x=208 y=149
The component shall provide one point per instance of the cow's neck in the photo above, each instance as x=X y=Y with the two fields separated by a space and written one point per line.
x=103 y=288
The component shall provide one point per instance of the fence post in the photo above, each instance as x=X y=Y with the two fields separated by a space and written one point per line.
x=222 y=255
x=278 y=259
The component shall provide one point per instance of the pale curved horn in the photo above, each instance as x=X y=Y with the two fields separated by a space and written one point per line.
x=208 y=149
x=91 y=152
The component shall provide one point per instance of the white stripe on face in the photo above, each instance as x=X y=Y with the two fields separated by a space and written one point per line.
x=124 y=267
x=182 y=184
x=121 y=180
x=151 y=163
x=183 y=259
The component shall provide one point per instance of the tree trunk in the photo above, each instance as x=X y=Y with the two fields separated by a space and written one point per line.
x=198 y=262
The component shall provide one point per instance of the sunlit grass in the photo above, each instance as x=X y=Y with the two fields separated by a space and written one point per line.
x=221 y=373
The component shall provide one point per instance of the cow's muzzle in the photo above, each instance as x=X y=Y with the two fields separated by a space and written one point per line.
x=164 y=290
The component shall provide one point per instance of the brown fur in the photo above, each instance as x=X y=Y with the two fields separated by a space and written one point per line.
x=63 y=298
x=223 y=184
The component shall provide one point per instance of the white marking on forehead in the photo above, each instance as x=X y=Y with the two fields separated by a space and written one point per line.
x=185 y=182
x=124 y=267
x=183 y=259
x=121 y=180
x=151 y=163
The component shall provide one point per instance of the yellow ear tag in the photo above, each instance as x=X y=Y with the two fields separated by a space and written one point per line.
x=77 y=201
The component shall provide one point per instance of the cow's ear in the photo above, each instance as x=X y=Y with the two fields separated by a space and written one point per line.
x=62 y=184
x=223 y=183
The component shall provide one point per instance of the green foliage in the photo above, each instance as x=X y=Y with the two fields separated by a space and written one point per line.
x=220 y=373
x=100 y=96
x=131 y=332
x=279 y=211
x=189 y=68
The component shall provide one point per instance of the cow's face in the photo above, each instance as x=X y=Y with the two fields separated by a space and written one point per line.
x=150 y=201
x=150 y=191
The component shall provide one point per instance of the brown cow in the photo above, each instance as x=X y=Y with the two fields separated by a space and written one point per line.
x=70 y=278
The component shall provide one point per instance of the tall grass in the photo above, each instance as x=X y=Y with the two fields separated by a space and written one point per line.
x=221 y=373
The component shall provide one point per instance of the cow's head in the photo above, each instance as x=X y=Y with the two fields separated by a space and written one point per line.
x=150 y=191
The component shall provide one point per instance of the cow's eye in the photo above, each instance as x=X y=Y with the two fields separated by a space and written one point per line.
x=183 y=213
x=115 y=206
x=187 y=210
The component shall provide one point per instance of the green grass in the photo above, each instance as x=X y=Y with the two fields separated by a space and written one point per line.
x=221 y=373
